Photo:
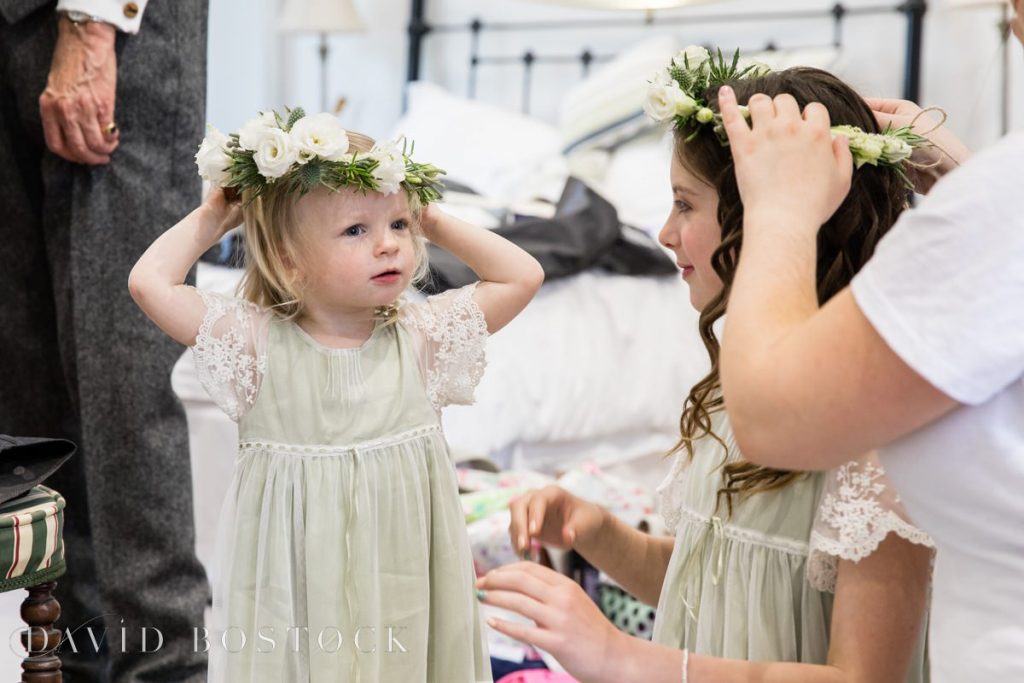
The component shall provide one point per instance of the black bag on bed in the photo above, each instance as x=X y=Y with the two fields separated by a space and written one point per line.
x=585 y=232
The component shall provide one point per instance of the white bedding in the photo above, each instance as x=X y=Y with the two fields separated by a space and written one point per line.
x=595 y=368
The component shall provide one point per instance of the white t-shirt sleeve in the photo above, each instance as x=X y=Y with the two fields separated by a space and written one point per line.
x=945 y=288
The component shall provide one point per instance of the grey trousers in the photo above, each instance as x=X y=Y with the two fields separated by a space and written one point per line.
x=79 y=360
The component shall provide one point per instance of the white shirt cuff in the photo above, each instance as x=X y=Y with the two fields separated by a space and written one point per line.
x=125 y=15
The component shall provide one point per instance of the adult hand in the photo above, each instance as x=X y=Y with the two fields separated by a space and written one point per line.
x=948 y=153
x=77 y=106
x=787 y=164
x=554 y=517
x=568 y=623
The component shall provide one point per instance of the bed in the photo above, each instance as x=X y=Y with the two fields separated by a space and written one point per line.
x=596 y=369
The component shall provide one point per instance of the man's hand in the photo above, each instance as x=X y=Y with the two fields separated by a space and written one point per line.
x=77 y=107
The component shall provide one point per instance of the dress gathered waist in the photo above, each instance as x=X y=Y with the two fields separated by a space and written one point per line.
x=247 y=446
x=724 y=530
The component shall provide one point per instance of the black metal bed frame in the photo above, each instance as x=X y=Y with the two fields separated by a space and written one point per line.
x=419 y=29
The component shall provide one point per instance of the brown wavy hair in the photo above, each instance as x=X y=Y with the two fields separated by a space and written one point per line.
x=845 y=242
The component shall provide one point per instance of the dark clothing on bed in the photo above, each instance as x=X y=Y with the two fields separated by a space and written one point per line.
x=584 y=233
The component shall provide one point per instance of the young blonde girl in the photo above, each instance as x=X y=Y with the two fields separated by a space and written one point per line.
x=743 y=588
x=343 y=548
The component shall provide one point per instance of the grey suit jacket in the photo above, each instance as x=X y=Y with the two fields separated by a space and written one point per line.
x=15 y=10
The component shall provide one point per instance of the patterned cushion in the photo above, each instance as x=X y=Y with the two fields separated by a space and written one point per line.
x=626 y=612
x=31 y=540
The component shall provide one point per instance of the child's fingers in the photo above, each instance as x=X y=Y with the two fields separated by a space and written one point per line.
x=735 y=125
x=523 y=632
x=535 y=518
x=518 y=525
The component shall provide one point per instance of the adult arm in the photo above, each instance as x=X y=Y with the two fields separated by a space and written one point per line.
x=77 y=105
x=805 y=388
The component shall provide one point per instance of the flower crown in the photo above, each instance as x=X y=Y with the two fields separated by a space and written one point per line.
x=677 y=92
x=306 y=152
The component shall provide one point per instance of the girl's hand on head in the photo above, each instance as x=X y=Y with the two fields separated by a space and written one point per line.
x=226 y=212
x=787 y=164
x=948 y=153
x=568 y=623
x=554 y=517
x=430 y=216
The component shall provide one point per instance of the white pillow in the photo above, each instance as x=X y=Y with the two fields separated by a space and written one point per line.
x=637 y=181
x=607 y=105
x=496 y=152
x=825 y=58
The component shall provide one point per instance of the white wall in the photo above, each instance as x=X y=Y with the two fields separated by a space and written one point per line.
x=252 y=68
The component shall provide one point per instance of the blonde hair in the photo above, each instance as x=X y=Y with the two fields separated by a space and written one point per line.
x=273 y=244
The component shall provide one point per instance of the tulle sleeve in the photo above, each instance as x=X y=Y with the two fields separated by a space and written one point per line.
x=858 y=509
x=230 y=351
x=450 y=337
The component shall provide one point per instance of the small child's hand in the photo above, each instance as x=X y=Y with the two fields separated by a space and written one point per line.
x=554 y=517
x=429 y=219
x=225 y=211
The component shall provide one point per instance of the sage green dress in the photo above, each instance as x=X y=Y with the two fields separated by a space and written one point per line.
x=344 y=554
x=757 y=584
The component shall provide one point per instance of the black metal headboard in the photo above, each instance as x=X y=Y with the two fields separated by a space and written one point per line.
x=420 y=29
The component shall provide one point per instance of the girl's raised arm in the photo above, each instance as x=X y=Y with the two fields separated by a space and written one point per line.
x=157 y=281
x=509 y=277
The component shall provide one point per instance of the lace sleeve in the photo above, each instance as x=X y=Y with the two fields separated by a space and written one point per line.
x=858 y=509
x=450 y=335
x=230 y=352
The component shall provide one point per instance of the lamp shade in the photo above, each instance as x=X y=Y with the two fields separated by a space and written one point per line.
x=319 y=16
x=626 y=4
x=971 y=4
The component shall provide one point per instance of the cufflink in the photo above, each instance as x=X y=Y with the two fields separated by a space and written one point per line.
x=131 y=10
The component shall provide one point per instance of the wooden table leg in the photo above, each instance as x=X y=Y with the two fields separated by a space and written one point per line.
x=40 y=610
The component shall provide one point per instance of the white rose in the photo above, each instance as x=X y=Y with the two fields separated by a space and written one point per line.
x=212 y=157
x=661 y=77
x=251 y=133
x=666 y=101
x=695 y=55
x=866 y=149
x=320 y=135
x=896 y=150
x=390 y=170
x=275 y=153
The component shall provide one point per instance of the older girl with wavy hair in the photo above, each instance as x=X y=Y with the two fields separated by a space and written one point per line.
x=772 y=575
